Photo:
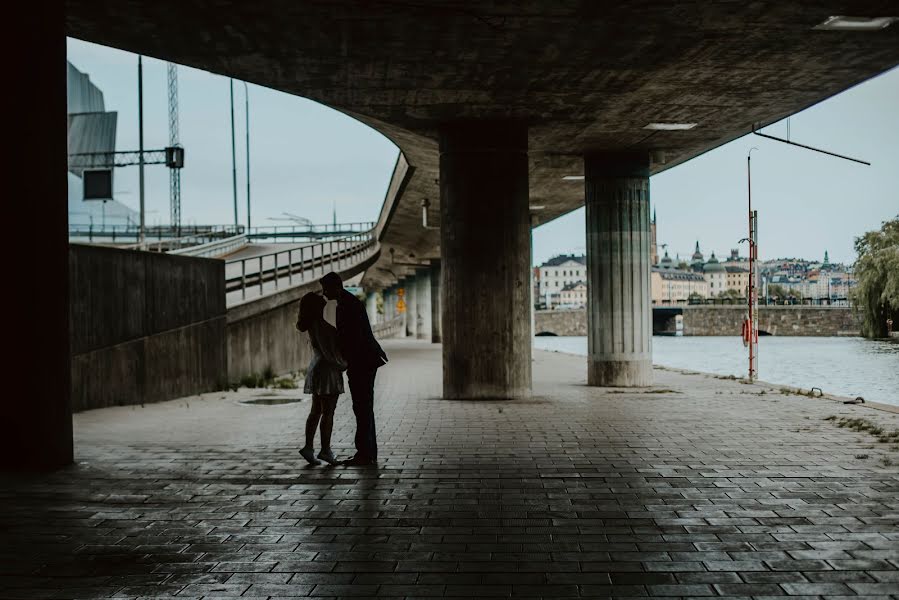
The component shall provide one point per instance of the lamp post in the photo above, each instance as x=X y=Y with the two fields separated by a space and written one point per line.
x=233 y=155
x=140 y=137
x=246 y=94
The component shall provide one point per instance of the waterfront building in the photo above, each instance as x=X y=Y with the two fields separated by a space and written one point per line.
x=735 y=260
x=573 y=295
x=675 y=286
x=715 y=274
x=736 y=278
x=558 y=272
x=666 y=262
x=697 y=260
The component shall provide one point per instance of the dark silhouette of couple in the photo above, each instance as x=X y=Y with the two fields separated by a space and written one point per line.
x=349 y=345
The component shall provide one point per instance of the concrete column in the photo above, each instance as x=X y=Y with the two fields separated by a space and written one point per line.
x=412 y=306
x=435 y=301
x=371 y=307
x=619 y=315
x=423 y=295
x=36 y=410
x=388 y=304
x=485 y=249
x=403 y=283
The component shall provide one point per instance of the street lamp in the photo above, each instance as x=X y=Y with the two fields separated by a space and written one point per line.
x=246 y=95
x=233 y=155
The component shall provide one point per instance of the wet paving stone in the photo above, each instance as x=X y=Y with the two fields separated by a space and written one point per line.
x=711 y=489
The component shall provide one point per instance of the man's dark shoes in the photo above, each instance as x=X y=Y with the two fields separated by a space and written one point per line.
x=359 y=461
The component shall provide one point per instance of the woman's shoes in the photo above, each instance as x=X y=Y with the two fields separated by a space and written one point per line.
x=328 y=457
x=309 y=455
x=359 y=461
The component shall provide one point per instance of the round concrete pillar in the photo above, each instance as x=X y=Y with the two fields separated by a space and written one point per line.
x=435 y=301
x=619 y=318
x=371 y=307
x=412 y=306
x=423 y=296
x=485 y=250
x=404 y=315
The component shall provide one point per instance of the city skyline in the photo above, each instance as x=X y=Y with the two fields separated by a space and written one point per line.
x=308 y=159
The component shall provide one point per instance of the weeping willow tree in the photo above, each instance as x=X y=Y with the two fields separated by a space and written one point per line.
x=877 y=272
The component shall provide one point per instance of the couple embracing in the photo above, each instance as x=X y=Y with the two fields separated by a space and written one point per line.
x=345 y=344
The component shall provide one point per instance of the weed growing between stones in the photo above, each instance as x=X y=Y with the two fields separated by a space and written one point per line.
x=285 y=383
x=866 y=426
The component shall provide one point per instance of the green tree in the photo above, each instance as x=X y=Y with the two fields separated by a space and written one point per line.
x=730 y=294
x=777 y=291
x=877 y=271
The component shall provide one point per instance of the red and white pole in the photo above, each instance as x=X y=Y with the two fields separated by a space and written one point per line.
x=751 y=325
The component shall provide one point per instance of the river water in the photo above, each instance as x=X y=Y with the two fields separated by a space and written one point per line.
x=845 y=366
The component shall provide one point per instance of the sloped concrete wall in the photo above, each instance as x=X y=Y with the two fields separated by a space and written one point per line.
x=145 y=327
x=261 y=336
x=262 y=333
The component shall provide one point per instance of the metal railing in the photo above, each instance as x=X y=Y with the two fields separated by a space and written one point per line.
x=214 y=248
x=388 y=329
x=296 y=266
x=126 y=233
x=309 y=231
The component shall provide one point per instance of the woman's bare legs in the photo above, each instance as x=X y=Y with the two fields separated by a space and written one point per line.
x=315 y=414
x=327 y=405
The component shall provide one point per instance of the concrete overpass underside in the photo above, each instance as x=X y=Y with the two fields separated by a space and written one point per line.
x=582 y=76
x=492 y=104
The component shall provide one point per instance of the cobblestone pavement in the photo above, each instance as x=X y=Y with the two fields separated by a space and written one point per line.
x=696 y=487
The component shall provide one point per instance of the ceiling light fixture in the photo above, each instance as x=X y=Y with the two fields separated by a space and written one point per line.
x=670 y=126
x=573 y=178
x=536 y=207
x=844 y=23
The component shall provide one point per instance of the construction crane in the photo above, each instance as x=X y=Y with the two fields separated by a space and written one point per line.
x=174 y=142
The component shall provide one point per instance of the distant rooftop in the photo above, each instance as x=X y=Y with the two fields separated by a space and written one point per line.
x=561 y=259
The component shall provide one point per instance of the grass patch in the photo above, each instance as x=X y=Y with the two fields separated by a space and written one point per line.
x=285 y=383
x=866 y=426
x=800 y=392
x=258 y=380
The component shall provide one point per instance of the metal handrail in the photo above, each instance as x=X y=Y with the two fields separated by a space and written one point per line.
x=357 y=226
x=157 y=232
x=300 y=262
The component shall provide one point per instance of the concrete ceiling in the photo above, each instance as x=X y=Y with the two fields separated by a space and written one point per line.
x=583 y=75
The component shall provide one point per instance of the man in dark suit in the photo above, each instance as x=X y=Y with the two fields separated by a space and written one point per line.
x=363 y=355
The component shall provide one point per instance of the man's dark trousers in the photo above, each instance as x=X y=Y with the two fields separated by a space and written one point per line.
x=362 y=388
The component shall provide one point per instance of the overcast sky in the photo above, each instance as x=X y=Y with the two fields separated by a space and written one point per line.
x=307 y=159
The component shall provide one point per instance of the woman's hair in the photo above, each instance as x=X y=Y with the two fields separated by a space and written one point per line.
x=311 y=307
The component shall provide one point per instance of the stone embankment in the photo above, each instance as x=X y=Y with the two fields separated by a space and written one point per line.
x=722 y=320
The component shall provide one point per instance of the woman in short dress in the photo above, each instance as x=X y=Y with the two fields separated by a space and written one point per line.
x=324 y=377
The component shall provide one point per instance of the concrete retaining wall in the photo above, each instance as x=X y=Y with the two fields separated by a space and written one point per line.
x=262 y=333
x=775 y=320
x=145 y=327
x=727 y=320
x=268 y=338
x=561 y=322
